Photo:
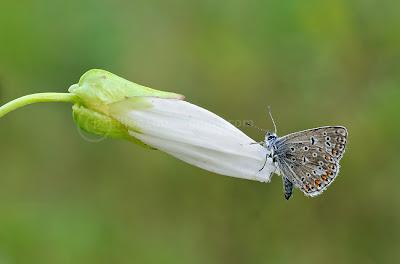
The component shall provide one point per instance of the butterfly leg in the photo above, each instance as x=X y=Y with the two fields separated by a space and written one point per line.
x=287 y=187
x=265 y=162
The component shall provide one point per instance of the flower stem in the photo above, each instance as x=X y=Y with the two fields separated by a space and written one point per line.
x=37 y=98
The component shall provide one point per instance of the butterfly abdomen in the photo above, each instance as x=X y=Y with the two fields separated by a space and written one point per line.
x=288 y=188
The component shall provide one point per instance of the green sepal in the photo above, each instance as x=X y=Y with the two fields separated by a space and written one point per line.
x=97 y=123
x=101 y=94
x=98 y=88
x=102 y=125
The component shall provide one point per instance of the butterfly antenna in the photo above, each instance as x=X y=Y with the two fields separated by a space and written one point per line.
x=270 y=114
x=256 y=127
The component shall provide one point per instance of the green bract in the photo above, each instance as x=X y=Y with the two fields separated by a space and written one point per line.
x=98 y=90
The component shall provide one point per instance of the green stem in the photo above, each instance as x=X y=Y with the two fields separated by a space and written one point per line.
x=37 y=98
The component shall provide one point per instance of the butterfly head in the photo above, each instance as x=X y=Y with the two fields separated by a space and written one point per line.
x=270 y=139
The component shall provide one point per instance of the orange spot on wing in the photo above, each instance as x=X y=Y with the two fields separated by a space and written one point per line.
x=317 y=182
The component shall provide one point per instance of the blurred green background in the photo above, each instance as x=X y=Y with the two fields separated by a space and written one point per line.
x=64 y=199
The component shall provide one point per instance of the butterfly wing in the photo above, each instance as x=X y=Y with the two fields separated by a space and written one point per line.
x=310 y=158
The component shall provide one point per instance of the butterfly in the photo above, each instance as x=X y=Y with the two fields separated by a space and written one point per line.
x=309 y=159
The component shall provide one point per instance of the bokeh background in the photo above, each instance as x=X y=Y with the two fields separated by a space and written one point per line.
x=64 y=199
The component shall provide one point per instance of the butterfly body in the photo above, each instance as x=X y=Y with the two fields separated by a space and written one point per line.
x=309 y=159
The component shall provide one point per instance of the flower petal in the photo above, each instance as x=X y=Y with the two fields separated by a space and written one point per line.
x=194 y=135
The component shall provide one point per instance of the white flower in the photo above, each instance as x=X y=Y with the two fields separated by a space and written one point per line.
x=194 y=135
x=115 y=107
